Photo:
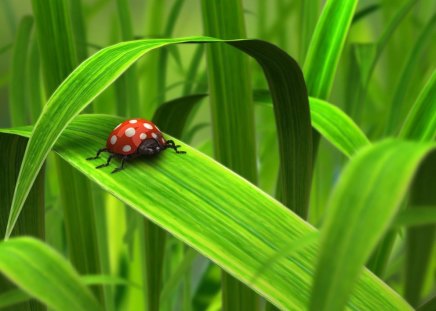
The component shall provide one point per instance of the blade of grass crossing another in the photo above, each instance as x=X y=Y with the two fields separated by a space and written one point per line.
x=239 y=241
x=331 y=122
x=232 y=115
x=59 y=57
x=53 y=280
x=358 y=216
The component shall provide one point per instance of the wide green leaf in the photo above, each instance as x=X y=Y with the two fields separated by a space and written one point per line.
x=45 y=275
x=363 y=204
x=95 y=74
x=185 y=194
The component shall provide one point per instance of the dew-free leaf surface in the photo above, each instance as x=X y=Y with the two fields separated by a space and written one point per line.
x=216 y=212
x=44 y=274
x=362 y=206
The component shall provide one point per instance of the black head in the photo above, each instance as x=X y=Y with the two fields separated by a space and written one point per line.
x=149 y=147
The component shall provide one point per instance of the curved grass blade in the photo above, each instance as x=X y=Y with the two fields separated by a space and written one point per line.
x=98 y=72
x=359 y=216
x=336 y=127
x=370 y=9
x=421 y=121
x=172 y=115
x=331 y=122
x=190 y=192
x=16 y=296
x=45 y=275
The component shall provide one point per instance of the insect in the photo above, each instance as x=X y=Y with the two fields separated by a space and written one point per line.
x=134 y=138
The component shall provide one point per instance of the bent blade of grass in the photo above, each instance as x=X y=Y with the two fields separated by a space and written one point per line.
x=359 y=215
x=15 y=296
x=99 y=71
x=45 y=275
x=331 y=122
x=172 y=115
x=421 y=120
x=190 y=192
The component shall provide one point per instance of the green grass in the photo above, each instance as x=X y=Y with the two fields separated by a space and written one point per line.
x=309 y=178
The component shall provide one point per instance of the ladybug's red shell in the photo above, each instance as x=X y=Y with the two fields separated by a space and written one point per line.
x=127 y=136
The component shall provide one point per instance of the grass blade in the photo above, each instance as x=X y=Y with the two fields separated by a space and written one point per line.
x=172 y=115
x=358 y=216
x=421 y=121
x=52 y=280
x=406 y=75
x=18 y=99
x=240 y=240
x=326 y=46
x=232 y=115
x=59 y=57
x=32 y=220
x=425 y=215
x=370 y=9
x=99 y=71
x=331 y=122
x=420 y=241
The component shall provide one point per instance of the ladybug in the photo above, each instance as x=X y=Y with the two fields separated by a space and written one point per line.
x=133 y=138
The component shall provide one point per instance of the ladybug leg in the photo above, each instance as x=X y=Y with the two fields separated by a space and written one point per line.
x=123 y=160
x=107 y=162
x=98 y=154
x=172 y=145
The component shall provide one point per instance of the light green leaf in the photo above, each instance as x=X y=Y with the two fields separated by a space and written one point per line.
x=363 y=204
x=331 y=122
x=45 y=275
x=326 y=46
x=187 y=193
x=336 y=127
x=99 y=71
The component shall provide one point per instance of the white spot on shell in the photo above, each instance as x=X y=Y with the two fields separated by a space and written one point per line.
x=130 y=132
x=127 y=148
x=143 y=136
x=148 y=126
x=133 y=121
x=113 y=139
x=154 y=135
